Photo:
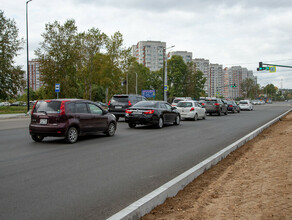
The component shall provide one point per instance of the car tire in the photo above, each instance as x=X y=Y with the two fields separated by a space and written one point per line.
x=72 y=135
x=131 y=125
x=238 y=111
x=219 y=113
x=37 y=138
x=111 y=130
x=195 y=117
x=177 y=120
x=204 y=117
x=226 y=113
x=160 y=123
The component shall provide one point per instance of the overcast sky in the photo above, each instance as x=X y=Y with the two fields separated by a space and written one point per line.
x=226 y=32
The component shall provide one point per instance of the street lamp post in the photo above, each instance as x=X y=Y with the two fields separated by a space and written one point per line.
x=27 y=56
x=165 y=77
x=136 y=83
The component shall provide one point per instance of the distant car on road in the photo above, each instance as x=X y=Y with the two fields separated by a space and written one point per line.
x=245 y=105
x=156 y=113
x=191 y=110
x=179 y=99
x=233 y=107
x=216 y=105
x=69 y=118
x=119 y=103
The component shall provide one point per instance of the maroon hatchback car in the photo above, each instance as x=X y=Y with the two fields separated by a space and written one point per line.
x=69 y=118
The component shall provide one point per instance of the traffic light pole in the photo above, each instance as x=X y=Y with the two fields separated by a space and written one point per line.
x=276 y=65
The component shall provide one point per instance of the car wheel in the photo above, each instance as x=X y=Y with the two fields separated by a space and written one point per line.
x=204 y=117
x=72 y=135
x=37 y=138
x=195 y=117
x=111 y=129
x=160 y=123
x=177 y=120
x=226 y=113
x=219 y=113
x=132 y=125
x=238 y=111
x=233 y=111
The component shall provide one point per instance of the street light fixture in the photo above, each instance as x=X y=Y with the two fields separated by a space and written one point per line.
x=27 y=56
x=165 y=87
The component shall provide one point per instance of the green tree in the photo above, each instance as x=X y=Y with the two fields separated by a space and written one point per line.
x=249 y=88
x=270 y=90
x=177 y=75
x=11 y=77
x=91 y=44
x=120 y=61
x=59 y=56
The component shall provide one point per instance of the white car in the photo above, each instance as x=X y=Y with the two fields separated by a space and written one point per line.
x=191 y=110
x=245 y=105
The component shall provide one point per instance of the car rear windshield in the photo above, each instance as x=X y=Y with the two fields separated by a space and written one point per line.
x=147 y=104
x=211 y=101
x=230 y=103
x=177 y=100
x=243 y=102
x=48 y=106
x=185 y=104
x=120 y=98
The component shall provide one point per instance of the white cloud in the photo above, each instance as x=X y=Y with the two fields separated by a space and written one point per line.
x=227 y=32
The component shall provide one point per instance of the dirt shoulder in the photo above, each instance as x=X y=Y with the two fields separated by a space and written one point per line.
x=254 y=182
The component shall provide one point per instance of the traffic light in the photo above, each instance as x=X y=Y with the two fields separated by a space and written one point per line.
x=233 y=86
x=262 y=68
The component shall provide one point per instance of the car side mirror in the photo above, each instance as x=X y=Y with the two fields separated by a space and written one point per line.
x=173 y=108
x=105 y=112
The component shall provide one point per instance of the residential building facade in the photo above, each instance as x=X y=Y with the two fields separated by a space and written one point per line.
x=204 y=66
x=35 y=81
x=216 y=80
x=187 y=56
x=150 y=53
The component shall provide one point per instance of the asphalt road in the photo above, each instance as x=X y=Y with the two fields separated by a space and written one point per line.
x=98 y=176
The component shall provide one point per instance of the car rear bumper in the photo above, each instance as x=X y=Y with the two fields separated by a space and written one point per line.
x=187 y=115
x=118 y=113
x=141 y=120
x=59 y=130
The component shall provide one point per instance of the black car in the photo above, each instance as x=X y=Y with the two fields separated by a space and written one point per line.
x=119 y=103
x=233 y=107
x=215 y=105
x=155 y=113
x=69 y=118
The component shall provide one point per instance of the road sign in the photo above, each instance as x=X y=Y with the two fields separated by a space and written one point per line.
x=166 y=88
x=148 y=93
x=57 y=87
x=272 y=69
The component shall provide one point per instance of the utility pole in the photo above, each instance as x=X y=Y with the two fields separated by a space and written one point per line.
x=27 y=56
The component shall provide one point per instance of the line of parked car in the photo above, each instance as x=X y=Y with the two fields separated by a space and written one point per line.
x=71 y=118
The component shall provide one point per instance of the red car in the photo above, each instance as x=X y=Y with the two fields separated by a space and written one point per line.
x=69 y=118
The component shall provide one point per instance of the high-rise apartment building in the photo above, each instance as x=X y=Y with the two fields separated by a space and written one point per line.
x=216 y=80
x=204 y=66
x=187 y=56
x=150 y=53
x=34 y=75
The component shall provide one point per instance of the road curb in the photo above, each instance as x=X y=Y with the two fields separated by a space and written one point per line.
x=144 y=205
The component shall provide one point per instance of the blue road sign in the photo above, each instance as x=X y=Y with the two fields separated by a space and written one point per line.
x=148 y=93
x=57 y=87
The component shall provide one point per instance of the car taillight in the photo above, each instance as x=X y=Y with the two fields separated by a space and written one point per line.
x=217 y=104
x=48 y=100
x=33 y=107
x=230 y=106
x=192 y=109
x=109 y=102
x=203 y=104
x=129 y=103
x=62 y=108
x=149 y=112
x=128 y=111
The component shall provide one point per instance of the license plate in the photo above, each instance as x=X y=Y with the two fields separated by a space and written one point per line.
x=43 y=121
x=118 y=107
